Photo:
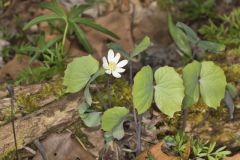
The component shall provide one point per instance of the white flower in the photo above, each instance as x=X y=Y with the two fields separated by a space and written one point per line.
x=111 y=64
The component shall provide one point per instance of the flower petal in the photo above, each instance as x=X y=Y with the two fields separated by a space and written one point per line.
x=110 y=55
x=116 y=74
x=117 y=57
x=120 y=70
x=105 y=63
x=122 y=63
x=108 y=71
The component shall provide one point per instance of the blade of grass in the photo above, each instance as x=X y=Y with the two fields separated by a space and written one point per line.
x=92 y=24
x=82 y=38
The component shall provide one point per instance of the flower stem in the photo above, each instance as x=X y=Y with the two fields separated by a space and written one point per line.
x=11 y=93
x=108 y=92
x=137 y=119
x=185 y=116
x=101 y=98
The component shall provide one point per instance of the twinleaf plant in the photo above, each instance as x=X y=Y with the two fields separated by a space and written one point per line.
x=168 y=91
x=188 y=42
x=130 y=56
x=164 y=86
x=71 y=21
x=78 y=75
x=203 y=79
x=81 y=72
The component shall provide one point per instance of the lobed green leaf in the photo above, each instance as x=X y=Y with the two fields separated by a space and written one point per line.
x=143 y=89
x=79 y=72
x=113 y=117
x=169 y=90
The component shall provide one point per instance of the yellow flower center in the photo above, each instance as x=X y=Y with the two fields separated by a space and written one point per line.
x=112 y=66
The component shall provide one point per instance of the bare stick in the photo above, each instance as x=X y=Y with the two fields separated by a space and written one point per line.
x=11 y=93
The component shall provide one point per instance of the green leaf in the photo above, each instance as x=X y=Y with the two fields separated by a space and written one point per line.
x=27 y=48
x=82 y=37
x=191 y=73
x=232 y=90
x=192 y=36
x=207 y=77
x=83 y=107
x=179 y=38
x=150 y=156
x=211 y=46
x=211 y=147
x=169 y=90
x=40 y=19
x=211 y=158
x=87 y=93
x=77 y=10
x=79 y=72
x=54 y=7
x=118 y=48
x=113 y=117
x=212 y=84
x=92 y=119
x=52 y=42
x=118 y=131
x=230 y=104
x=143 y=45
x=108 y=137
x=92 y=24
x=143 y=89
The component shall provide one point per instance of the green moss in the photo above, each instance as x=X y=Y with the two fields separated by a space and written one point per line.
x=232 y=72
x=229 y=57
x=27 y=103
x=9 y=156
x=6 y=114
x=224 y=30
x=76 y=129
x=10 y=153
x=120 y=92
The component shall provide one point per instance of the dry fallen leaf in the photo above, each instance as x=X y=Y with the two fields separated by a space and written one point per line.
x=235 y=157
x=117 y=23
x=16 y=66
x=156 y=153
x=95 y=137
x=63 y=147
x=151 y=21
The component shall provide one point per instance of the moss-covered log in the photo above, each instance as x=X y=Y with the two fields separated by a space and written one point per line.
x=52 y=117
